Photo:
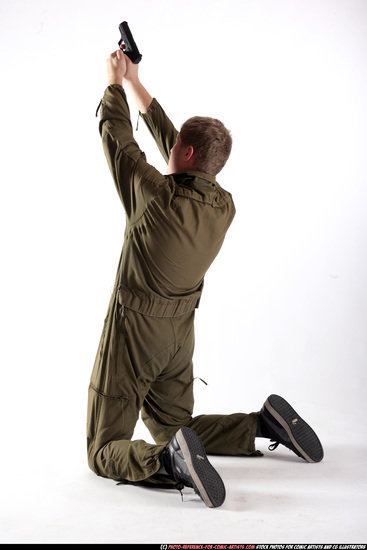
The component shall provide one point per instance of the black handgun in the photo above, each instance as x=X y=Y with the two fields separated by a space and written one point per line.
x=130 y=48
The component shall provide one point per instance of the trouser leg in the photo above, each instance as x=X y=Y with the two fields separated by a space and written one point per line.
x=111 y=453
x=170 y=401
x=120 y=379
x=232 y=434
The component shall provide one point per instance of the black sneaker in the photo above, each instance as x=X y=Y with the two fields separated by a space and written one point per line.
x=185 y=460
x=279 y=422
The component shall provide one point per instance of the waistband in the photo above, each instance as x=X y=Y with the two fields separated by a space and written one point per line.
x=157 y=306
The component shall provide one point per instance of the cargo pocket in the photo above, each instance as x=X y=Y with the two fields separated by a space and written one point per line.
x=93 y=410
x=105 y=415
x=120 y=355
x=103 y=338
x=99 y=372
x=109 y=418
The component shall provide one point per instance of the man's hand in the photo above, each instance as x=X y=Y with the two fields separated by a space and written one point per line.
x=121 y=68
x=131 y=74
x=116 y=67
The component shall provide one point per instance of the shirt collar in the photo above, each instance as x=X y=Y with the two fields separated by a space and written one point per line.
x=199 y=179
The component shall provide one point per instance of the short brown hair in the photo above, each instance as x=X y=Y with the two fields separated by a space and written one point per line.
x=211 y=141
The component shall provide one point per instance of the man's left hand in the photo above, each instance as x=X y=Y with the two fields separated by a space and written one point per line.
x=116 y=67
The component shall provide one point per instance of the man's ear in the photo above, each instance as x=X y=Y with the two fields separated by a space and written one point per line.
x=189 y=153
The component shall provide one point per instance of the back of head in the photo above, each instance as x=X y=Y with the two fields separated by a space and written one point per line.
x=211 y=141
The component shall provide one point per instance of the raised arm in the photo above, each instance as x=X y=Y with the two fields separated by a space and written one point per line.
x=140 y=95
x=137 y=182
x=121 y=70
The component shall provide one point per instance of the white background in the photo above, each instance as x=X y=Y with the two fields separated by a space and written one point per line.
x=284 y=308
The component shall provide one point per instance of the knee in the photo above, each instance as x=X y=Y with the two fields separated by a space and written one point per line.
x=161 y=430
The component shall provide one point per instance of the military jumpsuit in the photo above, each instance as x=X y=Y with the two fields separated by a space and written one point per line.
x=175 y=227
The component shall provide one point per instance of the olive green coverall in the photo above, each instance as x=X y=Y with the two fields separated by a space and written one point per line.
x=175 y=227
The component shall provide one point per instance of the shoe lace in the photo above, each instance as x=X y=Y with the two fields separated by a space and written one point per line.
x=273 y=445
